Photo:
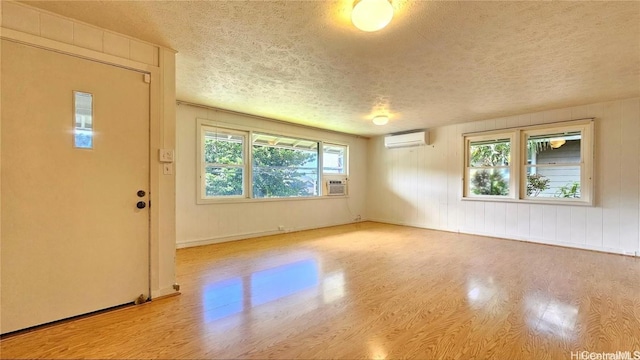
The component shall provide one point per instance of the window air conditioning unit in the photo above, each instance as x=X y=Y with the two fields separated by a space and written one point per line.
x=336 y=187
x=405 y=140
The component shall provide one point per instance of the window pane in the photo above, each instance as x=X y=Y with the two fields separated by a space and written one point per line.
x=489 y=182
x=223 y=181
x=287 y=168
x=490 y=153
x=83 y=120
x=553 y=181
x=83 y=139
x=333 y=159
x=223 y=148
x=559 y=148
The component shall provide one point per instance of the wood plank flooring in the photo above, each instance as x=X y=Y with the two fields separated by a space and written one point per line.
x=368 y=290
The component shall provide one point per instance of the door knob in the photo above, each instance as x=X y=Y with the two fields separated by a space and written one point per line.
x=141 y=205
x=141 y=193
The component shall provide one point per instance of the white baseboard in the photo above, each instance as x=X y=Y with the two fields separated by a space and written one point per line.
x=549 y=242
x=411 y=224
x=512 y=237
x=221 y=239
x=242 y=236
x=162 y=292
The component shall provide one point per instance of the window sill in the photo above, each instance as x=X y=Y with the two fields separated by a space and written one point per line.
x=264 y=200
x=529 y=201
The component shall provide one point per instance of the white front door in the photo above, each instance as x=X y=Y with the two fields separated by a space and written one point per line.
x=73 y=239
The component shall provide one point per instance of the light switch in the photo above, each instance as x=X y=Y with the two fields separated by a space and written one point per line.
x=167 y=169
x=166 y=155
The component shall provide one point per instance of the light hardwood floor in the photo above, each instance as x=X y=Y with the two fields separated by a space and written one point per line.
x=368 y=290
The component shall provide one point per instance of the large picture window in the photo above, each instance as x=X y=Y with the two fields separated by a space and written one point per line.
x=240 y=164
x=556 y=164
x=284 y=167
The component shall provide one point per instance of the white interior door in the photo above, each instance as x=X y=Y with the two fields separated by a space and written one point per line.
x=73 y=239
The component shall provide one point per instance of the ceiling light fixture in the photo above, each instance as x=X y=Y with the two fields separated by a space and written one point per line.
x=557 y=142
x=380 y=120
x=371 y=15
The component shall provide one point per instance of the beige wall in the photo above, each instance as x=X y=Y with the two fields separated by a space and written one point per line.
x=211 y=223
x=28 y=25
x=27 y=20
x=422 y=186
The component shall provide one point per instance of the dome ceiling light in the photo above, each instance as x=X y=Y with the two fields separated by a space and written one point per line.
x=371 y=15
x=557 y=142
x=381 y=120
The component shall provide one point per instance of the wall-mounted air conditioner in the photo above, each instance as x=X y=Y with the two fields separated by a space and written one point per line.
x=410 y=139
x=336 y=187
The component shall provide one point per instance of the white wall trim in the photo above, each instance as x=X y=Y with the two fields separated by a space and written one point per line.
x=410 y=224
x=28 y=20
x=69 y=49
x=162 y=292
x=250 y=235
x=512 y=238
x=271 y=120
x=548 y=242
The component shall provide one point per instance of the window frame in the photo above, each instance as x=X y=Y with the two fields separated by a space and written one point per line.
x=202 y=191
x=585 y=163
x=346 y=164
x=488 y=136
x=202 y=123
x=83 y=128
x=519 y=164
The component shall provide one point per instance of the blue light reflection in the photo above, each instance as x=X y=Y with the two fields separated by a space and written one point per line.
x=272 y=284
x=231 y=296
x=222 y=299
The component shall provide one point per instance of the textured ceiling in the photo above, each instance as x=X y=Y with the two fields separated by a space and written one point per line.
x=436 y=63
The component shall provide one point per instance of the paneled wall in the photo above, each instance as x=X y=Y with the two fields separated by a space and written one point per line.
x=422 y=186
x=211 y=223
x=28 y=20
